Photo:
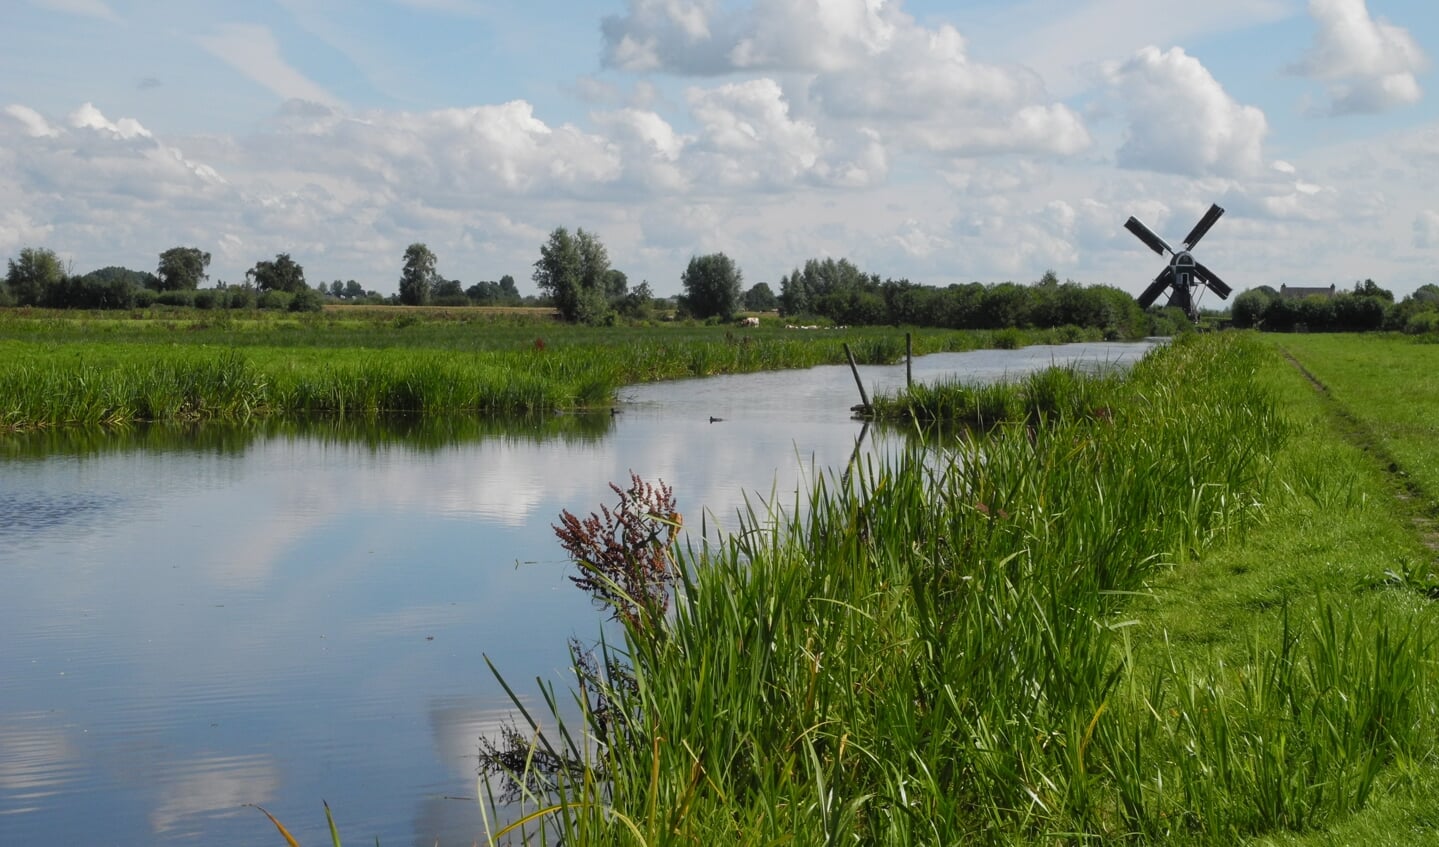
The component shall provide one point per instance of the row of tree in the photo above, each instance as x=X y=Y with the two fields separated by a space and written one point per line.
x=1366 y=308
x=574 y=276
x=37 y=278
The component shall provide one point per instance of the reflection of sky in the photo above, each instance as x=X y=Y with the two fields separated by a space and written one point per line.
x=184 y=633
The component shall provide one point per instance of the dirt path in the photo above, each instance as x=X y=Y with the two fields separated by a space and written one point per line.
x=1409 y=496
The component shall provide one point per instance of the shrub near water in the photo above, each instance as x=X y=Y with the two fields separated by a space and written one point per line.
x=933 y=652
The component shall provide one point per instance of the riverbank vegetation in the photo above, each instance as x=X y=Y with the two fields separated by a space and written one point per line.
x=1190 y=619
x=65 y=368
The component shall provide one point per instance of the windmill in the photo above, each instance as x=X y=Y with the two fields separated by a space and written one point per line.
x=1184 y=274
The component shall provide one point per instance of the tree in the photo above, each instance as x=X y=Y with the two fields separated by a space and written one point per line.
x=448 y=292
x=353 y=290
x=508 y=291
x=571 y=270
x=617 y=284
x=760 y=298
x=1249 y=308
x=802 y=291
x=636 y=304
x=1370 y=288
x=107 y=288
x=712 y=286
x=34 y=275
x=182 y=268
x=283 y=274
x=418 y=277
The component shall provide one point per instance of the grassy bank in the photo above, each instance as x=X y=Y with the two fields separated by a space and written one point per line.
x=63 y=369
x=1176 y=622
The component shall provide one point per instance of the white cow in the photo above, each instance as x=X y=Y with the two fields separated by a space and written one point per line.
x=748 y=322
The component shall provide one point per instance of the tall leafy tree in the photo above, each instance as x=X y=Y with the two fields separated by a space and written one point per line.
x=282 y=274
x=572 y=272
x=804 y=291
x=32 y=276
x=712 y=286
x=617 y=284
x=418 y=277
x=181 y=269
x=760 y=298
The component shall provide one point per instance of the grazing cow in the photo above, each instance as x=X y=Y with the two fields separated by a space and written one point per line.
x=749 y=322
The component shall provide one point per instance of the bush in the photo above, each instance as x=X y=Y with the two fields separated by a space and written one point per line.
x=277 y=300
x=1424 y=323
x=176 y=297
x=240 y=298
x=145 y=298
x=306 y=300
x=207 y=298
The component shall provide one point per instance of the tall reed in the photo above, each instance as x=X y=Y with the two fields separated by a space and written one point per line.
x=933 y=649
x=63 y=371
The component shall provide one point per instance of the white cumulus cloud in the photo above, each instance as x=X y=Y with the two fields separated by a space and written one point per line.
x=1368 y=65
x=864 y=63
x=1181 y=120
x=748 y=137
x=33 y=122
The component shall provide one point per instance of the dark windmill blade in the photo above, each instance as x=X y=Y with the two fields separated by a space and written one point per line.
x=1217 y=285
x=1203 y=226
x=1156 y=288
x=1147 y=235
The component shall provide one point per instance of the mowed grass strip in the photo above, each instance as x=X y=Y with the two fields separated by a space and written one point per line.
x=1387 y=383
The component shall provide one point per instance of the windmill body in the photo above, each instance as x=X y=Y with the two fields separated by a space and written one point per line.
x=1184 y=277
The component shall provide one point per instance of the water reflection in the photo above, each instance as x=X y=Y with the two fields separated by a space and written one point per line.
x=376 y=432
x=210 y=787
x=195 y=618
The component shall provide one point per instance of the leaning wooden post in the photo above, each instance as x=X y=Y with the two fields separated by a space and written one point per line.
x=854 y=369
x=908 y=360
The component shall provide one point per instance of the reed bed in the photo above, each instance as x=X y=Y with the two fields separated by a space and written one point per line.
x=69 y=372
x=936 y=649
x=1054 y=392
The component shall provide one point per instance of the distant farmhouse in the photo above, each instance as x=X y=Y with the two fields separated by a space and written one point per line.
x=1301 y=292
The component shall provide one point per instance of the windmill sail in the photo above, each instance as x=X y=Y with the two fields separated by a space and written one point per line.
x=1203 y=226
x=1217 y=285
x=1156 y=288
x=1157 y=244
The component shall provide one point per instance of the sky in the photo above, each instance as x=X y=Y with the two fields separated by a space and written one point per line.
x=942 y=142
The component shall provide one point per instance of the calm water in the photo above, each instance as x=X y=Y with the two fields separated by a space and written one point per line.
x=195 y=620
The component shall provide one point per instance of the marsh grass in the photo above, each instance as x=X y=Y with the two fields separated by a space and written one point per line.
x=942 y=652
x=1050 y=393
x=69 y=371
